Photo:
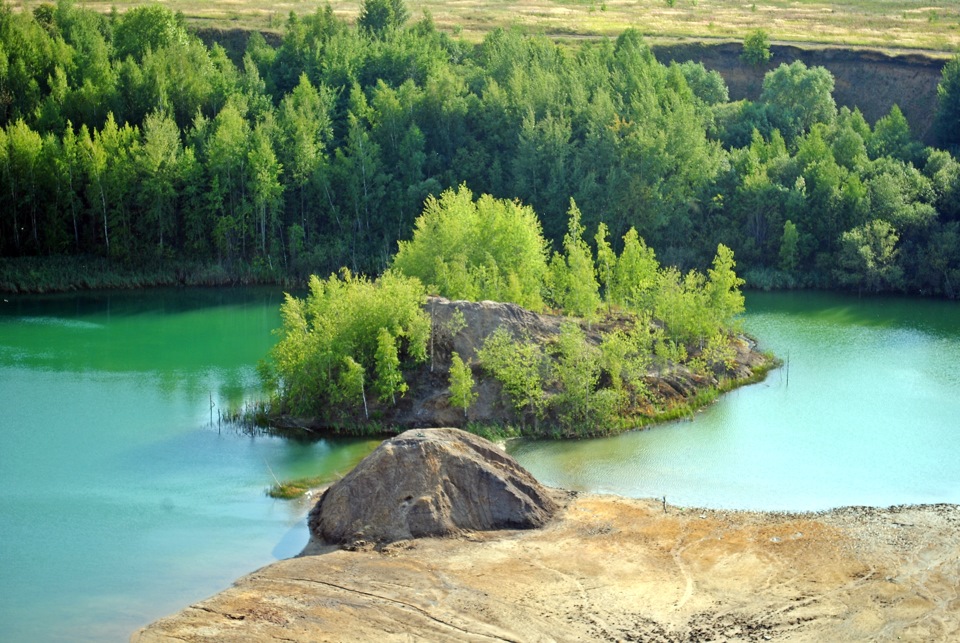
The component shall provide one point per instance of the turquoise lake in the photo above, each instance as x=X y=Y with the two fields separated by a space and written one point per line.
x=124 y=499
x=865 y=411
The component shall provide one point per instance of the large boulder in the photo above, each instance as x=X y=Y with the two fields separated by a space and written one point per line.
x=430 y=482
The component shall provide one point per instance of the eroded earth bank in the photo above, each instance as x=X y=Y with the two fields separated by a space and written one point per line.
x=602 y=569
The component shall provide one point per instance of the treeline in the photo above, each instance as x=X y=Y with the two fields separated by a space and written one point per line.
x=123 y=136
x=351 y=349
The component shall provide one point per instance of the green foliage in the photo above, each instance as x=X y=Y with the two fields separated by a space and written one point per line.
x=483 y=249
x=379 y=16
x=606 y=260
x=868 y=257
x=636 y=277
x=948 y=107
x=577 y=371
x=290 y=489
x=149 y=27
x=519 y=367
x=717 y=357
x=462 y=394
x=573 y=283
x=756 y=48
x=389 y=380
x=788 y=247
x=798 y=97
x=345 y=323
x=724 y=299
x=707 y=86
x=352 y=387
x=125 y=138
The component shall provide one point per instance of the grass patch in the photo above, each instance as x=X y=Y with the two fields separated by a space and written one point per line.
x=67 y=273
x=291 y=489
x=898 y=24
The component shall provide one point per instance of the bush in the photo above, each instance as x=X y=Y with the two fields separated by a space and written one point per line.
x=347 y=331
x=484 y=249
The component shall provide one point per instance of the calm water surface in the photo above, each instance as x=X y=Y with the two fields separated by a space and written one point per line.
x=866 y=412
x=120 y=501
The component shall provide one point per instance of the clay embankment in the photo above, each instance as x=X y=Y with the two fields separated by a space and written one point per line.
x=872 y=81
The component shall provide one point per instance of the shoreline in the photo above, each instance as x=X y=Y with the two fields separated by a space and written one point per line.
x=612 y=568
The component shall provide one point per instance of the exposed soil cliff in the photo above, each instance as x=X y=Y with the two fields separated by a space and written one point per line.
x=871 y=80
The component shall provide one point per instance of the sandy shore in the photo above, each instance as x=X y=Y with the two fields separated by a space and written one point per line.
x=614 y=569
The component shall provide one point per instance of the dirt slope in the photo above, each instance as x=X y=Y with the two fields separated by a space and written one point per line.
x=611 y=569
x=870 y=80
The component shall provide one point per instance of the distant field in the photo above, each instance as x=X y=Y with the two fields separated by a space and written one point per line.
x=888 y=24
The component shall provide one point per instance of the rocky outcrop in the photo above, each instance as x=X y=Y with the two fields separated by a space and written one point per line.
x=430 y=482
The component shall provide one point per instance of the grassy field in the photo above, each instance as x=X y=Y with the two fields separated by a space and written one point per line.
x=888 y=24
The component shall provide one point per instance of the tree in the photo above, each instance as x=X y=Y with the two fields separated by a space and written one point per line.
x=868 y=257
x=788 y=247
x=756 y=48
x=379 y=16
x=892 y=137
x=636 y=277
x=389 y=380
x=147 y=28
x=483 y=249
x=799 y=97
x=159 y=161
x=23 y=154
x=462 y=394
x=707 y=86
x=352 y=386
x=371 y=322
x=947 y=124
x=723 y=288
x=518 y=366
x=574 y=281
x=577 y=370
x=606 y=262
x=265 y=187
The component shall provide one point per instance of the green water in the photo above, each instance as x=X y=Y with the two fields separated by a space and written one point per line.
x=120 y=501
x=866 y=412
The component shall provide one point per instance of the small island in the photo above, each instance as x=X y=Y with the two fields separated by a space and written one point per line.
x=512 y=341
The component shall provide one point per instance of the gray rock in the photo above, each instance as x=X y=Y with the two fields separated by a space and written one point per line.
x=430 y=482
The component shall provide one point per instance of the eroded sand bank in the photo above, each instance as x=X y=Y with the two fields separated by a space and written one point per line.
x=614 y=569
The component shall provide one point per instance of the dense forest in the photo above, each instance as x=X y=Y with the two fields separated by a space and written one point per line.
x=122 y=136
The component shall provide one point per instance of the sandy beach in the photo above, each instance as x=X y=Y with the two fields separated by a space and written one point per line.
x=613 y=569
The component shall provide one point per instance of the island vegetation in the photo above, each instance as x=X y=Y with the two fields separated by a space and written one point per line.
x=353 y=347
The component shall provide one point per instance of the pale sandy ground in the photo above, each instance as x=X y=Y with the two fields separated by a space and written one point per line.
x=613 y=569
